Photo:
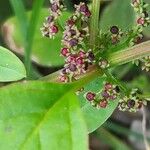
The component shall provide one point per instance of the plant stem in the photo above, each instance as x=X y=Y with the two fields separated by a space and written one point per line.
x=116 y=81
x=121 y=59
x=92 y=73
x=94 y=24
x=31 y=33
x=130 y=54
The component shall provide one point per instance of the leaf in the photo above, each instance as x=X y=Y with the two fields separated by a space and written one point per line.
x=45 y=51
x=95 y=117
x=11 y=68
x=120 y=14
x=35 y=115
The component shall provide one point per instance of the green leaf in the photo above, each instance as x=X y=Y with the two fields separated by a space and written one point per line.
x=118 y=13
x=36 y=116
x=11 y=68
x=95 y=117
x=45 y=51
x=31 y=33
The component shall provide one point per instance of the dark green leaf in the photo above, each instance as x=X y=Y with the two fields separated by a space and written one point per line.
x=36 y=116
x=11 y=68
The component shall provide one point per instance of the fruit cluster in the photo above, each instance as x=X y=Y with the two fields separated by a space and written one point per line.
x=142 y=21
x=101 y=99
x=50 y=28
x=77 y=56
x=131 y=103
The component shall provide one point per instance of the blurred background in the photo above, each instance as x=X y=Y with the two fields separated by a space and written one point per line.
x=123 y=131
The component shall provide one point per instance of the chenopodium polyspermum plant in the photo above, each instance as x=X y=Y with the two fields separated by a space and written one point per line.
x=82 y=49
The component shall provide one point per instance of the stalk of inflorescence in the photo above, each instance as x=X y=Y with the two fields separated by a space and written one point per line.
x=94 y=23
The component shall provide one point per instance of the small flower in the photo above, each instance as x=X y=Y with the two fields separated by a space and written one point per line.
x=90 y=96
x=103 y=103
x=90 y=56
x=131 y=103
x=64 y=78
x=141 y=21
x=65 y=52
x=114 y=30
x=103 y=63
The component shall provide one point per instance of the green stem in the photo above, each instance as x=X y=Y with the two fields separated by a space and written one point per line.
x=92 y=73
x=116 y=81
x=130 y=54
x=94 y=24
x=114 y=58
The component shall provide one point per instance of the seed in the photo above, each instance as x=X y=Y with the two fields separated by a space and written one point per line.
x=91 y=56
x=64 y=79
x=90 y=96
x=50 y=19
x=73 y=42
x=103 y=103
x=54 y=7
x=105 y=94
x=64 y=51
x=141 y=21
x=79 y=61
x=83 y=8
x=108 y=86
x=114 y=30
x=70 y=22
x=72 y=32
x=72 y=67
x=131 y=103
x=54 y=29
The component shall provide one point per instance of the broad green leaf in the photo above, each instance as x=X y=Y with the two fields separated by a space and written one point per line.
x=36 y=116
x=95 y=117
x=11 y=68
x=45 y=51
x=118 y=13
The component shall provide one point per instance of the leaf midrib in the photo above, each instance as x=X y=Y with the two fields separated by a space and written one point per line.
x=36 y=129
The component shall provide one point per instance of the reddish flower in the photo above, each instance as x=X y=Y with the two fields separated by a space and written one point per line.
x=90 y=96
x=103 y=103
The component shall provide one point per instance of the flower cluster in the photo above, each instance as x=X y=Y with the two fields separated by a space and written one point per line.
x=75 y=64
x=131 y=103
x=142 y=21
x=50 y=28
x=77 y=57
x=102 y=98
